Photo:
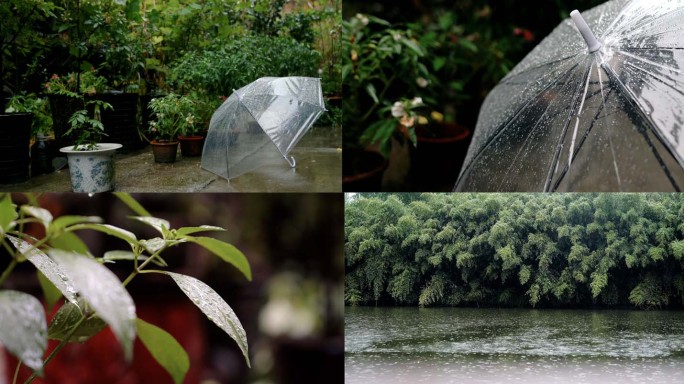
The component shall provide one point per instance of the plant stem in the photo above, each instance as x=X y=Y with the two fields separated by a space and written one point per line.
x=58 y=348
x=16 y=372
x=139 y=269
x=7 y=271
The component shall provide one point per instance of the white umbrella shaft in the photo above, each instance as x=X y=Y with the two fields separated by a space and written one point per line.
x=586 y=32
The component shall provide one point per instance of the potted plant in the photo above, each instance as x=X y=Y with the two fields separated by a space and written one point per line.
x=172 y=115
x=198 y=114
x=67 y=94
x=18 y=43
x=41 y=130
x=91 y=163
x=381 y=64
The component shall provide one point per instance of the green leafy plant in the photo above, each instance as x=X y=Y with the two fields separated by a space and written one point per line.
x=232 y=64
x=20 y=40
x=94 y=296
x=86 y=125
x=381 y=64
x=173 y=114
x=30 y=103
x=76 y=84
x=515 y=249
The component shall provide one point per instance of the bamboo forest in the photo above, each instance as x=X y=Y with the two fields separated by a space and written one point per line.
x=515 y=250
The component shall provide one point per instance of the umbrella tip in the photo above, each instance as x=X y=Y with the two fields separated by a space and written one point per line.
x=587 y=34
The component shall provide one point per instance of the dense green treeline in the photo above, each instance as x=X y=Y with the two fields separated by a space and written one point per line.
x=543 y=250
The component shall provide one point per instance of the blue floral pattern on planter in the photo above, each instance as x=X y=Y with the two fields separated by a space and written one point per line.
x=92 y=171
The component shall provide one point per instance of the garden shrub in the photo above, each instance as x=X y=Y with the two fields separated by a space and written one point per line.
x=228 y=65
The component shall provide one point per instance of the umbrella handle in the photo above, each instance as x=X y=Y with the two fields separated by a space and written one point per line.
x=586 y=32
x=290 y=160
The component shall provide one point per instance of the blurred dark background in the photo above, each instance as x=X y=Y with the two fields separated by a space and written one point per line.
x=292 y=311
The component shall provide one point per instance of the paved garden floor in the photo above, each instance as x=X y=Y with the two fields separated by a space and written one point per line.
x=319 y=169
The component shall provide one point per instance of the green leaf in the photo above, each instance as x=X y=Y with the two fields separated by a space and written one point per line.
x=23 y=330
x=8 y=213
x=370 y=88
x=66 y=318
x=110 y=230
x=214 y=307
x=103 y=291
x=133 y=10
x=68 y=241
x=438 y=63
x=161 y=225
x=43 y=215
x=47 y=266
x=153 y=245
x=165 y=349
x=412 y=45
x=225 y=251
x=130 y=201
x=65 y=221
x=467 y=44
x=190 y=230
x=50 y=292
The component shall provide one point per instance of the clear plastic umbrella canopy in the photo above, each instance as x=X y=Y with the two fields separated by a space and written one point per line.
x=259 y=122
x=598 y=105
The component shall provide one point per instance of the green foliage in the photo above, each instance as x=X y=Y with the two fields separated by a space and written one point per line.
x=508 y=249
x=30 y=103
x=381 y=66
x=173 y=114
x=86 y=125
x=95 y=296
x=236 y=62
x=649 y=293
x=165 y=349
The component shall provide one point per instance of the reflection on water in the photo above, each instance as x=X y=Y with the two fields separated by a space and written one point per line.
x=451 y=345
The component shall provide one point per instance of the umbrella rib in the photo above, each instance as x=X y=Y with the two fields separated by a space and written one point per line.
x=651 y=125
x=507 y=79
x=580 y=145
x=515 y=115
x=658 y=79
x=650 y=62
x=638 y=28
x=536 y=125
x=559 y=147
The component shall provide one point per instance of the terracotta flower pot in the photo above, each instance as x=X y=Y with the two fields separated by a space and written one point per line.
x=362 y=170
x=191 y=146
x=164 y=151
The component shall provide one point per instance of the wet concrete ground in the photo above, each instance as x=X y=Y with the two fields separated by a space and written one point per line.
x=319 y=169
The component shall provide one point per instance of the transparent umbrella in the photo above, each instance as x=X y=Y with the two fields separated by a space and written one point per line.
x=603 y=113
x=259 y=122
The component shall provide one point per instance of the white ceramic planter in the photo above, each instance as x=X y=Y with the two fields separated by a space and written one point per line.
x=92 y=171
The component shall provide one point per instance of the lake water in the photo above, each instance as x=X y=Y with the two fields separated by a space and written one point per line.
x=472 y=345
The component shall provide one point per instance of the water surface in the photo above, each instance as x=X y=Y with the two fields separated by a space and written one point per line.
x=468 y=345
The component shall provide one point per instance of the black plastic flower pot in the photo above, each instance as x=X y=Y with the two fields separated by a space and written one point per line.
x=15 y=134
x=62 y=108
x=121 y=122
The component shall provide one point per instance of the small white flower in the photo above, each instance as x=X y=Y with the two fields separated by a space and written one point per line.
x=416 y=101
x=396 y=36
x=422 y=82
x=364 y=19
x=398 y=109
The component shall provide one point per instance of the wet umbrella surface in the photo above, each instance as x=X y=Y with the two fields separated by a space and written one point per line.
x=602 y=113
x=261 y=121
